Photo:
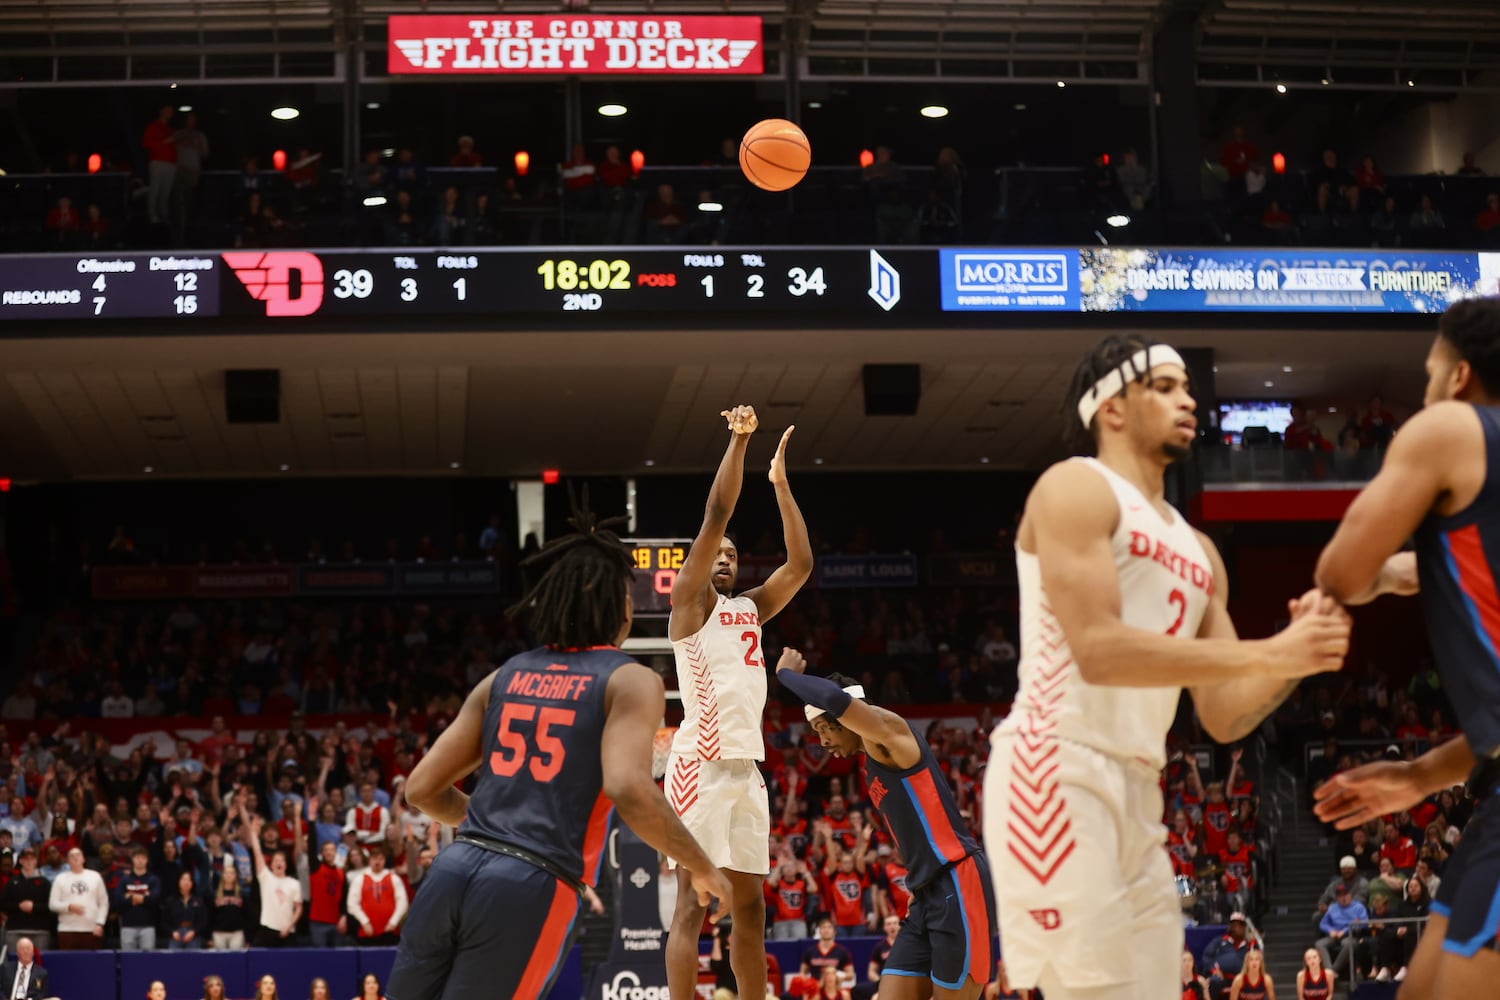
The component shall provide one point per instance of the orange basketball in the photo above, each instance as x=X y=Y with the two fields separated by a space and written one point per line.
x=775 y=155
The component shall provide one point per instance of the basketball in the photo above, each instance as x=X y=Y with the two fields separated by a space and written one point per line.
x=775 y=155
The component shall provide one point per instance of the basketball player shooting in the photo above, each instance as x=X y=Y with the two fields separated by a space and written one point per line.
x=943 y=949
x=1123 y=604
x=1440 y=482
x=559 y=736
x=713 y=780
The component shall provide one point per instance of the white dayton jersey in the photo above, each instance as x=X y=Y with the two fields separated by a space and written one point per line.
x=721 y=672
x=1165 y=583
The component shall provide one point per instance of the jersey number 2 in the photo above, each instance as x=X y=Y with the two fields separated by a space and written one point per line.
x=550 y=751
x=1178 y=600
x=751 y=660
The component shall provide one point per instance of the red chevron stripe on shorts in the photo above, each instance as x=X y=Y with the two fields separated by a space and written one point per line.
x=1040 y=830
x=682 y=786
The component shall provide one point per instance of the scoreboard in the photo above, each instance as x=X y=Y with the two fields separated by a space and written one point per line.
x=902 y=285
x=656 y=562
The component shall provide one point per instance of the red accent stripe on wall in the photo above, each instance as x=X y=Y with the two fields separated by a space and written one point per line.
x=1275 y=504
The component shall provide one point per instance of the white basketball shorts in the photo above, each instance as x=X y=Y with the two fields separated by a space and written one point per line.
x=724 y=805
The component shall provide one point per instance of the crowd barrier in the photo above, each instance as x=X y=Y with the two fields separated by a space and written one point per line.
x=126 y=975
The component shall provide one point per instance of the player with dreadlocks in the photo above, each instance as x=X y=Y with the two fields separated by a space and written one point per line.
x=1123 y=604
x=560 y=737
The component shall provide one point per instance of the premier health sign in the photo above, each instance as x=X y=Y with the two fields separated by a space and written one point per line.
x=623 y=45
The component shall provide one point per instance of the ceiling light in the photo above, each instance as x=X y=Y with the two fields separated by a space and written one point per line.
x=649 y=462
x=1324 y=81
x=1270 y=384
x=284 y=114
x=1020 y=107
x=1061 y=84
x=455 y=465
x=984 y=460
x=710 y=206
x=284 y=467
x=815 y=104
x=388 y=152
x=1281 y=88
x=372 y=105
x=1216 y=369
x=185 y=108
x=375 y=201
x=934 y=111
x=1286 y=368
x=612 y=110
x=1118 y=221
x=817 y=461
x=148 y=469
x=1411 y=83
x=1333 y=409
x=174 y=86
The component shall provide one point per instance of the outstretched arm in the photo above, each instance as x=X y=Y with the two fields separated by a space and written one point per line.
x=886 y=734
x=692 y=590
x=1072 y=515
x=777 y=592
x=455 y=755
x=1357 y=565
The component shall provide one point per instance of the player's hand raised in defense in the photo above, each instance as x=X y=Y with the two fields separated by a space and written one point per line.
x=1315 y=642
x=793 y=660
x=777 y=475
x=742 y=420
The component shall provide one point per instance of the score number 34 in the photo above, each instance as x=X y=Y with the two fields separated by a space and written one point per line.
x=800 y=283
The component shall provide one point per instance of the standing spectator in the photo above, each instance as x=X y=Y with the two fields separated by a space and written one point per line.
x=228 y=919
x=22 y=829
x=1237 y=155
x=81 y=903
x=1469 y=168
x=368 y=820
x=1489 y=218
x=160 y=141
x=825 y=952
x=787 y=897
x=192 y=153
x=578 y=175
x=1135 y=181
x=407 y=174
x=95 y=229
x=1377 y=427
x=185 y=917
x=466 y=155
x=492 y=538
x=23 y=979
x=280 y=894
x=614 y=173
x=887 y=183
x=448 y=223
x=1330 y=180
x=23 y=901
x=63 y=225
x=664 y=216
x=325 y=898
x=137 y=899
x=377 y=900
x=1344 y=917
x=1369 y=184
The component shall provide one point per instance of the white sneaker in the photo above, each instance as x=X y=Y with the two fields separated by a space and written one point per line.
x=1401 y=974
x=1384 y=976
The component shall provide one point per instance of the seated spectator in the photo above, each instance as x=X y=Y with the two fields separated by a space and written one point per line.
x=1135 y=181
x=1378 y=950
x=1338 y=925
x=1423 y=870
x=1385 y=219
x=1489 y=217
x=1275 y=218
x=401 y=228
x=1398 y=848
x=407 y=175
x=482 y=223
x=370 y=177
x=252 y=225
x=248 y=182
x=466 y=156
x=1303 y=433
x=63 y=224
x=1426 y=216
x=303 y=173
x=1389 y=884
x=1369 y=184
x=579 y=176
x=664 y=216
x=448 y=225
x=1469 y=168
x=1224 y=959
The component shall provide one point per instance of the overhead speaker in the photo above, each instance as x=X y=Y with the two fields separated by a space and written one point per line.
x=252 y=395
x=892 y=390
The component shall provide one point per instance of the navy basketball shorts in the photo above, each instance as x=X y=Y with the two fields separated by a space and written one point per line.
x=949 y=931
x=1469 y=895
x=483 y=925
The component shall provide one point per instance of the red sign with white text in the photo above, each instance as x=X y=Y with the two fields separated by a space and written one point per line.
x=543 y=43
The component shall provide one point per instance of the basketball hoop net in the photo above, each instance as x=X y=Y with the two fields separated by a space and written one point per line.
x=661 y=748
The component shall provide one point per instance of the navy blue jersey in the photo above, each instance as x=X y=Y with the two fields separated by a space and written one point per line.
x=919 y=809
x=540 y=784
x=1457 y=559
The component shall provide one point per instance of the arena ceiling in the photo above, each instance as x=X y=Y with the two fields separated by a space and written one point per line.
x=598 y=402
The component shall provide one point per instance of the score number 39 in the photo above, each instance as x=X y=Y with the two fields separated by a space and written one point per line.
x=800 y=283
x=360 y=284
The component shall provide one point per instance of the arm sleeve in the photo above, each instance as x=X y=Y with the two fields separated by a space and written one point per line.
x=820 y=692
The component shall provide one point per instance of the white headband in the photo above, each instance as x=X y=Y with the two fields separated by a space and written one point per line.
x=1113 y=382
x=813 y=711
